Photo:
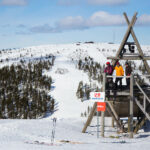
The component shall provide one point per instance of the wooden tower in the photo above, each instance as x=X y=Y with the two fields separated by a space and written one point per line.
x=132 y=98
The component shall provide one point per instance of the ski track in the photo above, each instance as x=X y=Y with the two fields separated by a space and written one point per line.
x=65 y=89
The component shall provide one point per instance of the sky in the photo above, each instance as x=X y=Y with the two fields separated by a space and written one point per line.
x=38 y=22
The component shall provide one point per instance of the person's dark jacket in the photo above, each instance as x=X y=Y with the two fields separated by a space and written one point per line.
x=108 y=70
x=128 y=70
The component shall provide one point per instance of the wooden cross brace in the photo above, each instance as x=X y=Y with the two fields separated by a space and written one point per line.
x=138 y=45
x=126 y=36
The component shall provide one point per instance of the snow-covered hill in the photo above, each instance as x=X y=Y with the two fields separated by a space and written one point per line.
x=65 y=83
x=65 y=74
x=16 y=133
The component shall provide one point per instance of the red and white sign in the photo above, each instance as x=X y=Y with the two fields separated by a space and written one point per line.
x=97 y=96
x=101 y=106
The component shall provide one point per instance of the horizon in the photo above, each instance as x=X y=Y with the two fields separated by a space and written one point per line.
x=50 y=44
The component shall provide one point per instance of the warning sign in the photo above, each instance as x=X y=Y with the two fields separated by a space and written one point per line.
x=97 y=96
x=101 y=106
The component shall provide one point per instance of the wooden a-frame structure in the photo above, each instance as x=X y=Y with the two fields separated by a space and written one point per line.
x=120 y=56
x=129 y=31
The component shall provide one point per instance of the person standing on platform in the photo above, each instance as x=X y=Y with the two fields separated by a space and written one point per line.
x=108 y=70
x=128 y=71
x=119 y=72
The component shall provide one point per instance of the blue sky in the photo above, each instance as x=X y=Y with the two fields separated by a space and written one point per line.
x=37 y=22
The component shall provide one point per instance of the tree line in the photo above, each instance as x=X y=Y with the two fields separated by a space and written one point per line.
x=94 y=71
x=24 y=90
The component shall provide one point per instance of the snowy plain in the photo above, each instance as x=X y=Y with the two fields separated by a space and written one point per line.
x=23 y=134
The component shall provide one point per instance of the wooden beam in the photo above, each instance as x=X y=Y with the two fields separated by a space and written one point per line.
x=140 y=124
x=131 y=106
x=113 y=110
x=125 y=37
x=137 y=44
x=103 y=113
x=120 y=93
x=142 y=91
x=131 y=54
x=141 y=107
x=88 y=122
x=130 y=58
x=118 y=122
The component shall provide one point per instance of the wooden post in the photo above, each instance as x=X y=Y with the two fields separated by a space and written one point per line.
x=113 y=113
x=129 y=130
x=138 y=127
x=90 y=117
x=131 y=107
x=102 y=123
x=103 y=113
x=97 y=124
x=112 y=122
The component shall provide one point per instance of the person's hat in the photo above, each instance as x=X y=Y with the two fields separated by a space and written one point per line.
x=107 y=63
x=117 y=63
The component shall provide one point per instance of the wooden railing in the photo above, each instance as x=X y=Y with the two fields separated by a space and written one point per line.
x=145 y=99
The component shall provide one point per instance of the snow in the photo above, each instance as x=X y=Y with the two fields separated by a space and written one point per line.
x=14 y=134
x=65 y=89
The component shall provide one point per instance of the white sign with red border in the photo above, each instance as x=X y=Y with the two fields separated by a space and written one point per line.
x=97 y=96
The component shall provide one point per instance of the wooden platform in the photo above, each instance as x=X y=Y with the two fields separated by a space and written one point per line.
x=118 y=93
x=120 y=99
x=122 y=108
x=126 y=92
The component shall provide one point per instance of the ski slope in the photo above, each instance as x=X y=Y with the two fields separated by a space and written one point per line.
x=65 y=89
x=22 y=134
